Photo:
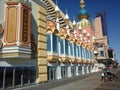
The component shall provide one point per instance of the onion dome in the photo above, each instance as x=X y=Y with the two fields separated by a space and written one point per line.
x=83 y=14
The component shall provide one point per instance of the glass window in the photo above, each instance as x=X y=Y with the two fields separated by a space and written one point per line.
x=55 y=42
x=1 y=76
x=80 y=70
x=80 y=51
x=32 y=74
x=74 y=50
x=25 y=75
x=64 y=71
x=71 y=49
x=102 y=53
x=18 y=73
x=66 y=47
x=51 y=73
x=62 y=46
x=73 y=71
x=48 y=42
x=9 y=77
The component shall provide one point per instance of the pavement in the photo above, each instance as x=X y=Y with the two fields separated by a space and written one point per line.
x=84 y=82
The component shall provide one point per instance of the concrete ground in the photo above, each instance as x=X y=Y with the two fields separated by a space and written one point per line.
x=85 y=82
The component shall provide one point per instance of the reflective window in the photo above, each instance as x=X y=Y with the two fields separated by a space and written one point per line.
x=1 y=76
x=66 y=47
x=80 y=70
x=74 y=50
x=73 y=71
x=55 y=44
x=51 y=73
x=48 y=42
x=80 y=51
x=18 y=73
x=62 y=46
x=63 y=71
x=102 y=53
x=71 y=49
x=32 y=74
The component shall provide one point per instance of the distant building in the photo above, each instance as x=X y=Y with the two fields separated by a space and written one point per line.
x=101 y=36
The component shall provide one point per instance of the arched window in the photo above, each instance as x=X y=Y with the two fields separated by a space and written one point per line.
x=55 y=44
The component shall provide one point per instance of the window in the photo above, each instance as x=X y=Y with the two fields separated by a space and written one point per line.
x=66 y=47
x=78 y=51
x=62 y=46
x=102 y=53
x=51 y=73
x=71 y=49
x=48 y=42
x=73 y=71
x=64 y=71
x=74 y=50
x=81 y=54
x=55 y=42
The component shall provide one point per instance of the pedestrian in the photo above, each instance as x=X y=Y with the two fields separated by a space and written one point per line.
x=102 y=76
x=105 y=77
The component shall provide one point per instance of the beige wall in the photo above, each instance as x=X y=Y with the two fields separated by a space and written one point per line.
x=100 y=38
x=98 y=28
x=42 y=46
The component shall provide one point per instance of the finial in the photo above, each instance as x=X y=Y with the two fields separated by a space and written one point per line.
x=56 y=2
x=56 y=7
x=66 y=10
x=74 y=22
x=82 y=3
x=66 y=16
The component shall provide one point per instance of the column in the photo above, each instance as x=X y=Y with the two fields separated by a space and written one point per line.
x=77 y=71
x=58 y=73
x=4 y=78
x=87 y=67
x=69 y=71
x=83 y=69
x=13 y=84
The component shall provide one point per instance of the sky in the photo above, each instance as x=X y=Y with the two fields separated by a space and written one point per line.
x=112 y=9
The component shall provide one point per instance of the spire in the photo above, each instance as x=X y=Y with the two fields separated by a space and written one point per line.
x=66 y=16
x=74 y=22
x=56 y=7
x=82 y=3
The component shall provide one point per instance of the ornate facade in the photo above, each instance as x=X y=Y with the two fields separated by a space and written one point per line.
x=39 y=43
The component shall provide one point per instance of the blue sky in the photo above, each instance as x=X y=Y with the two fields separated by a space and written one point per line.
x=112 y=9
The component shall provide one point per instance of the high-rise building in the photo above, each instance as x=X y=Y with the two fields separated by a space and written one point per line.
x=101 y=35
x=102 y=15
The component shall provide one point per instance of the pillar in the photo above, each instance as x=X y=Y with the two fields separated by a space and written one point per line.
x=77 y=71
x=58 y=72
x=42 y=45
x=83 y=69
x=69 y=71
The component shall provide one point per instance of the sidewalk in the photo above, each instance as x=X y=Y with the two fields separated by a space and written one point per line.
x=85 y=82
x=110 y=85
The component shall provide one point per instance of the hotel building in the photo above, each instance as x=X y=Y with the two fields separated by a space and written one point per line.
x=39 y=43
